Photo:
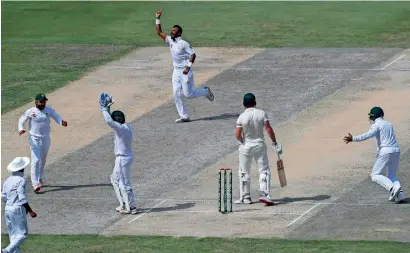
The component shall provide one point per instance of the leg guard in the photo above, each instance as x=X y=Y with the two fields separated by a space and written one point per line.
x=244 y=177
x=115 y=185
x=264 y=182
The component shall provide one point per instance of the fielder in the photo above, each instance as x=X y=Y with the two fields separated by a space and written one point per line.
x=17 y=207
x=249 y=131
x=120 y=177
x=39 y=139
x=183 y=56
x=388 y=153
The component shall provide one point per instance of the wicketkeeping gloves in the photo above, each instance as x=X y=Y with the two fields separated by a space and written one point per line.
x=278 y=148
x=105 y=101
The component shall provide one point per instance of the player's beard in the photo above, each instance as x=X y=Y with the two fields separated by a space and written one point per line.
x=40 y=107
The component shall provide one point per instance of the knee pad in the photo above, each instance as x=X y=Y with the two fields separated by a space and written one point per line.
x=244 y=176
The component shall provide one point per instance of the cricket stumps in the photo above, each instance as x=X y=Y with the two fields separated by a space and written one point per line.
x=223 y=189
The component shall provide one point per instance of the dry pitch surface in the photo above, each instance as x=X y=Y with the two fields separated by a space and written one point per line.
x=313 y=96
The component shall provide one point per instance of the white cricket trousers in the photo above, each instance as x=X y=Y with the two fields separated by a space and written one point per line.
x=385 y=169
x=121 y=178
x=39 y=149
x=16 y=220
x=187 y=84
x=247 y=153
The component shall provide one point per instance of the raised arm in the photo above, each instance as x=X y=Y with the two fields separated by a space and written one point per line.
x=108 y=119
x=158 y=25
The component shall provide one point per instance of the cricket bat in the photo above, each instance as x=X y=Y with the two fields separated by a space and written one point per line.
x=281 y=172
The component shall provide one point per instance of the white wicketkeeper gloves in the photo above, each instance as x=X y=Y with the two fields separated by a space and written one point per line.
x=277 y=148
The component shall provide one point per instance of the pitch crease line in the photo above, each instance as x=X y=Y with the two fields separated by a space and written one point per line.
x=149 y=210
x=303 y=214
x=393 y=61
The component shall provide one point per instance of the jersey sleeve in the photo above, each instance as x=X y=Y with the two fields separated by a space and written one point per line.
x=167 y=40
x=57 y=118
x=113 y=124
x=239 y=122
x=23 y=119
x=21 y=192
x=371 y=133
x=265 y=116
x=189 y=49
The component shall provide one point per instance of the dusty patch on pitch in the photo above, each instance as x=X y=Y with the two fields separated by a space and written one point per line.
x=320 y=167
x=139 y=82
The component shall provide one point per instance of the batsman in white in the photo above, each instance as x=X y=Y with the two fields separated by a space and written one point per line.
x=120 y=177
x=17 y=207
x=39 y=139
x=388 y=153
x=183 y=56
x=249 y=131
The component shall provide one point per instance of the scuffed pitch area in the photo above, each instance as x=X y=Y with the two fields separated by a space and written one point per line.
x=139 y=82
x=314 y=97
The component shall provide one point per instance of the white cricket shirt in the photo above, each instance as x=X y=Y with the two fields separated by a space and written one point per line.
x=181 y=51
x=39 y=121
x=385 y=138
x=14 y=190
x=123 y=136
x=252 y=121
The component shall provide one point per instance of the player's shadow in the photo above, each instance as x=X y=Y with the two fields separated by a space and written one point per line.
x=404 y=201
x=68 y=187
x=287 y=200
x=177 y=207
x=223 y=116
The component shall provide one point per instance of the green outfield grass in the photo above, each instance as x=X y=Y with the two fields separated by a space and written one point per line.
x=31 y=65
x=159 y=244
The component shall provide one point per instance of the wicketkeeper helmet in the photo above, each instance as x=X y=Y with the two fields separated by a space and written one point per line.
x=376 y=112
x=118 y=116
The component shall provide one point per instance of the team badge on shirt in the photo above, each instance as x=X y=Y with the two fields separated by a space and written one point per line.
x=34 y=115
x=47 y=114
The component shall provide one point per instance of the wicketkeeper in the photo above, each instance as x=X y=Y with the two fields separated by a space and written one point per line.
x=120 y=178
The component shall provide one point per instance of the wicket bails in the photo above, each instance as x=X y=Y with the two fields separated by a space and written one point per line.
x=225 y=191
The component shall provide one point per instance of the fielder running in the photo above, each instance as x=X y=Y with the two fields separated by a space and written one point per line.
x=388 y=153
x=120 y=177
x=183 y=56
x=39 y=139
x=249 y=131
x=17 y=207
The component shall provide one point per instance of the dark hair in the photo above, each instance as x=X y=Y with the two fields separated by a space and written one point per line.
x=179 y=28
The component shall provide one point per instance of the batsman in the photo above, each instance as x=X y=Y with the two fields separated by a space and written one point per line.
x=249 y=131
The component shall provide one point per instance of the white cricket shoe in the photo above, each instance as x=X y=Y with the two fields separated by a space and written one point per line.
x=181 y=120
x=132 y=211
x=394 y=191
x=245 y=201
x=266 y=201
x=400 y=197
x=119 y=208
x=210 y=95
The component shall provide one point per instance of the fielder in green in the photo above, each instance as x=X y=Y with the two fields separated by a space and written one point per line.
x=388 y=153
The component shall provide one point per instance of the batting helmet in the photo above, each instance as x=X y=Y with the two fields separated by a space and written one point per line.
x=249 y=100
x=118 y=116
x=375 y=112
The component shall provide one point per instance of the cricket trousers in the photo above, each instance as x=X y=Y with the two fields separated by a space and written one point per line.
x=121 y=181
x=186 y=83
x=247 y=153
x=16 y=220
x=39 y=149
x=385 y=168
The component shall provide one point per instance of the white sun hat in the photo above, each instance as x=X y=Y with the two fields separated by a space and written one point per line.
x=18 y=163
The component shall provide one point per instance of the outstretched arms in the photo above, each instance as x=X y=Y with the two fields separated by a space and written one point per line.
x=158 y=25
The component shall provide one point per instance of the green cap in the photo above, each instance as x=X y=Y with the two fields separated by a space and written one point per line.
x=376 y=112
x=249 y=99
x=41 y=97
